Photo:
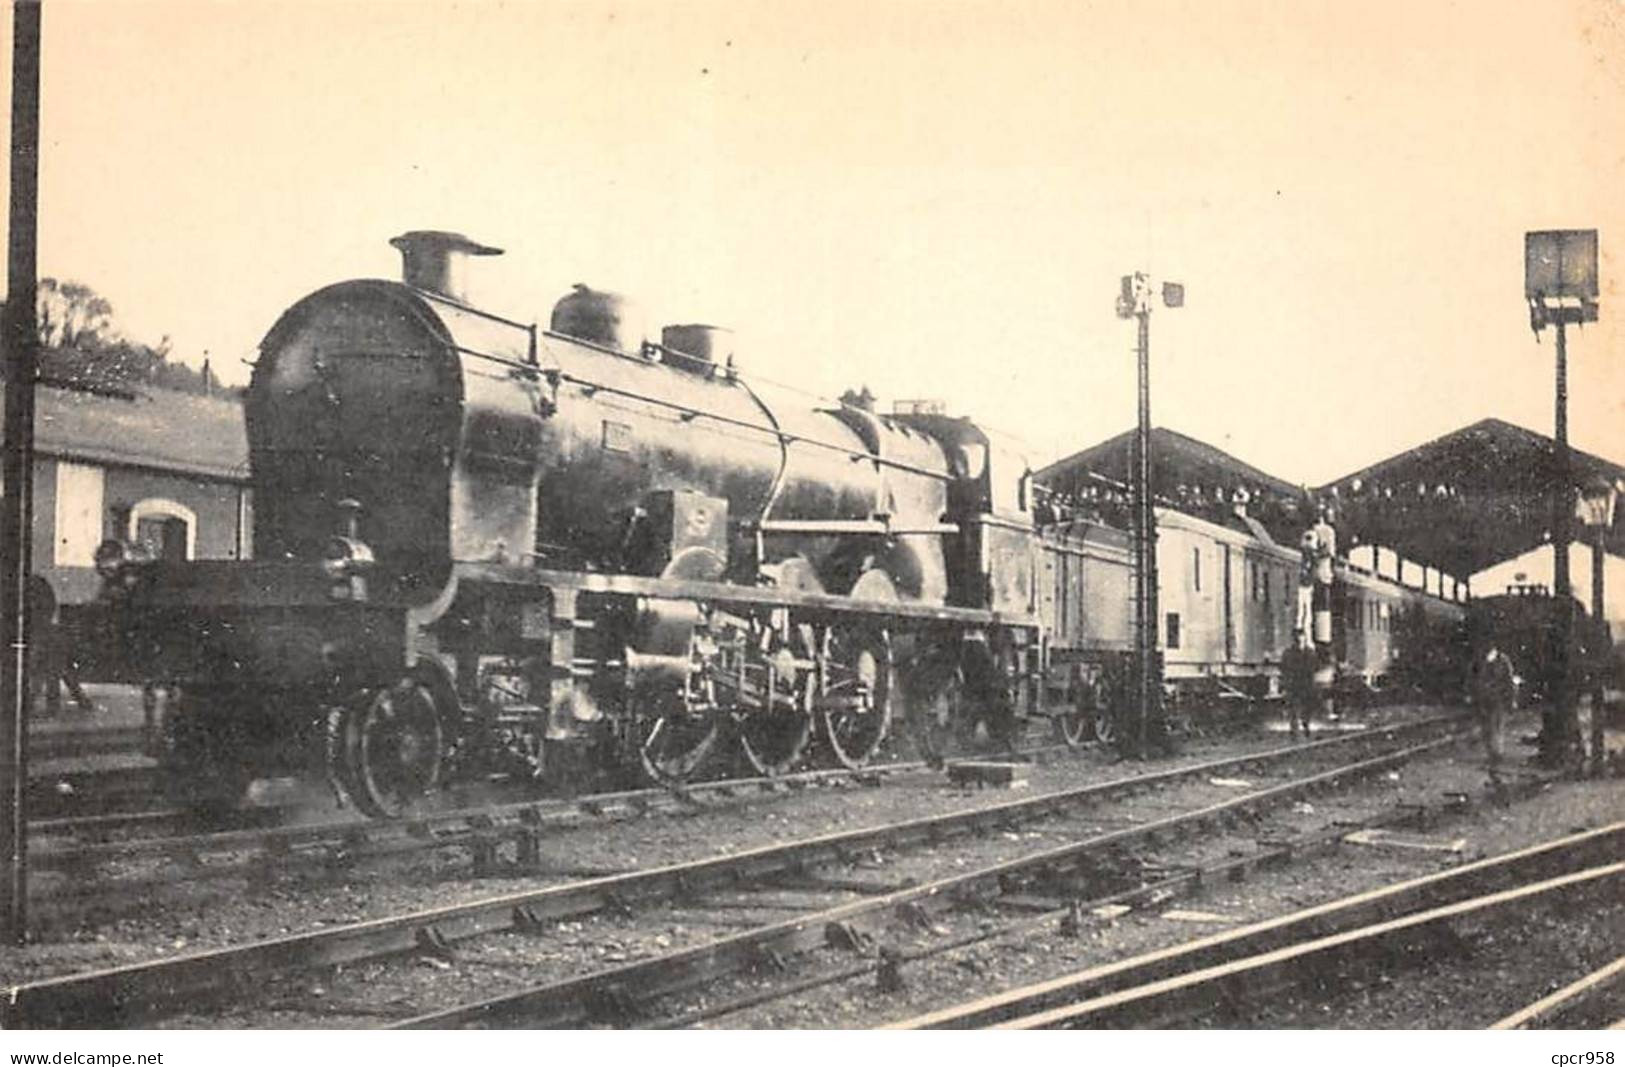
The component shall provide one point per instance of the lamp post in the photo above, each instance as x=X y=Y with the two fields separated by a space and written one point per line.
x=1596 y=511
x=1134 y=301
x=1560 y=284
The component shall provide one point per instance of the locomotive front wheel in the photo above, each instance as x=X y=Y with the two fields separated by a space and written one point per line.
x=855 y=707
x=393 y=746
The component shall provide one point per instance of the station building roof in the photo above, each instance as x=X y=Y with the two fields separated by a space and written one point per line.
x=157 y=429
x=1459 y=503
x=1190 y=476
x=1467 y=500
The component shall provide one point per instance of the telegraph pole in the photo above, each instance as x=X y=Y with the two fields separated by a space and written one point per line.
x=1135 y=301
x=1556 y=731
x=20 y=338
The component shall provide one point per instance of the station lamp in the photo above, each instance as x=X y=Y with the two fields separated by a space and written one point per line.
x=1560 y=284
x=1595 y=511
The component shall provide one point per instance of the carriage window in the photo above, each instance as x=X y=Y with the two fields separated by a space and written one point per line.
x=1173 y=629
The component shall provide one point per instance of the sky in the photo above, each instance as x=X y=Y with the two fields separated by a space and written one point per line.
x=935 y=198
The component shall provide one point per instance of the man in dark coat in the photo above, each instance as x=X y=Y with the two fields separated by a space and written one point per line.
x=1298 y=665
x=1495 y=691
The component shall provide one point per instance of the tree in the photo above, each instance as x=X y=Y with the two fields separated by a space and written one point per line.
x=82 y=347
x=73 y=315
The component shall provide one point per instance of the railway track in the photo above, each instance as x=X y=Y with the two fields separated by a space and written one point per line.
x=498 y=839
x=1229 y=972
x=103 y=857
x=125 y=995
x=1560 y=1008
x=94 y=804
x=68 y=744
x=91 y=792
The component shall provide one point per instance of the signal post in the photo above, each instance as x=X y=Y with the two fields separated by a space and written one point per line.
x=1135 y=301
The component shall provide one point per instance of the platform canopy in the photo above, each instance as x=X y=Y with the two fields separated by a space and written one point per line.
x=1465 y=501
x=1188 y=475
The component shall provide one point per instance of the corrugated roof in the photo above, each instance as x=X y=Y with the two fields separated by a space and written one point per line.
x=1178 y=459
x=159 y=429
x=1468 y=499
x=1190 y=476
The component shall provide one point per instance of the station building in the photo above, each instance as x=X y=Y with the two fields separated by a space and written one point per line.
x=165 y=469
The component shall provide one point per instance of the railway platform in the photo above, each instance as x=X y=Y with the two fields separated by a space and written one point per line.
x=74 y=744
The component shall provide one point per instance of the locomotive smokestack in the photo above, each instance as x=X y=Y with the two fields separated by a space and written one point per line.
x=434 y=260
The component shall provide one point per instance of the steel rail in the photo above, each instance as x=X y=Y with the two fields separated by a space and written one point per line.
x=1549 y=1008
x=1186 y=881
x=134 y=991
x=1320 y=920
x=89 y=790
x=1242 y=980
x=66 y=744
x=225 y=852
x=583 y=1000
x=633 y=801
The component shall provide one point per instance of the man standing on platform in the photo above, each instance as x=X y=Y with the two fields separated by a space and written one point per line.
x=1298 y=665
x=1495 y=691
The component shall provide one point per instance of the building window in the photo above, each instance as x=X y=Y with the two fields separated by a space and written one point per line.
x=1173 y=629
x=1196 y=568
x=168 y=530
x=78 y=514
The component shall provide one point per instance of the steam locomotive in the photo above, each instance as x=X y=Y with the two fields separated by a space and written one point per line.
x=484 y=548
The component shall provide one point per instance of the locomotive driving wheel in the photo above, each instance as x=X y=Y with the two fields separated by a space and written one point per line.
x=392 y=746
x=854 y=709
x=775 y=721
x=679 y=725
x=677 y=743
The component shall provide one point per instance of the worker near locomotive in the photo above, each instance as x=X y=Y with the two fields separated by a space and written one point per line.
x=483 y=548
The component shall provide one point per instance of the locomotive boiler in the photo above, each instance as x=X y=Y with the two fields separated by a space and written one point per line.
x=486 y=547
